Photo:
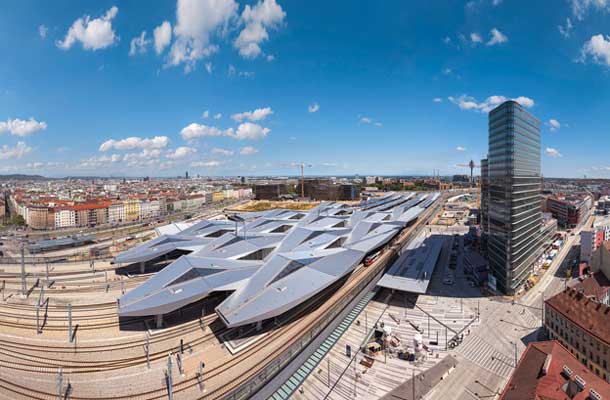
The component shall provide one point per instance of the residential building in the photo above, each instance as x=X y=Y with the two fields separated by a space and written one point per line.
x=512 y=194
x=116 y=212
x=132 y=209
x=217 y=196
x=579 y=320
x=570 y=211
x=37 y=217
x=65 y=217
x=548 y=371
x=592 y=237
x=149 y=209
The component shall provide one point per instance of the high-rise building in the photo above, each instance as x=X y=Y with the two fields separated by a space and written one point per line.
x=511 y=196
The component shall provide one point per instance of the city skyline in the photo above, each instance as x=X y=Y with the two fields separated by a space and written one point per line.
x=251 y=88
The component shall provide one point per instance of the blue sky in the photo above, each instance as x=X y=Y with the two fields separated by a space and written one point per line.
x=388 y=87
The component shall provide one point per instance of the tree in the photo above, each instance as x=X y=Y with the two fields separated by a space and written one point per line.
x=17 y=220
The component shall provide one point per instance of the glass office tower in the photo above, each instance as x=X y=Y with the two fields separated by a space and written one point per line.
x=512 y=195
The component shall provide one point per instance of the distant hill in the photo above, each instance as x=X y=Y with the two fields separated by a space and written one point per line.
x=22 y=177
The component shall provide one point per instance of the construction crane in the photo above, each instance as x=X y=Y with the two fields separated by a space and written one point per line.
x=302 y=165
x=472 y=165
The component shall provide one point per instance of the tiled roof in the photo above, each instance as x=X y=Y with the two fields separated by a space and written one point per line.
x=529 y=382
x=582 y=310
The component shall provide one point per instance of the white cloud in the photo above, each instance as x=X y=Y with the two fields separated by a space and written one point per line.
x=42 y=31
x=437 y=100
x=367 y=120
x=145 y=154
x=313 y=108
x=270 y=57
x=447 y=40
x=94 y=34
x=580 y=7
x=447 y=71
x=264 y=15
x=249 y=131
x=194 y=131
x=222 y=152
x=20 y=150
x=19 y=127
x=196 y=22
x=553 y=125
x=205 y=114
x=460 y=148
x=248 y=150
x=208 y=67
x=470 y=103
x=551 y=152
x=139 y=44
x=181 y=152
x=598 y=48
x=496 y=2
x=497 y=37
x=218 y=116
x=163 y=36
x=475 y=38
x=131 y=143
x=208 y=164
x=256 y=115
x=567 y=29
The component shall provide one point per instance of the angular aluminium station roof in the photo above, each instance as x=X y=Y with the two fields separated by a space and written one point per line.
x=271 y=261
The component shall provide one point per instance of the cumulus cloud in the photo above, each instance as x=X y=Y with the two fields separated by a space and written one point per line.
x=196 y=22
x=222 y=152
x=19 y=127
x=315 y=107
x=551 y=152
x=256 y=115
x=460 y=148
x=497 y=37
x=447 y=71
x=257 y=20
x=42 y=31
x=20 y=150
x=218 y=116
x=207 y=164
x=163 y=36
x=139 y=44
x=247 y=150
x=553 y=125
x=93 y=34
x=565 y=30
x=476 y=38
x=195 y=131
x=437 y=100
x=598 y=48
x=208 y=67
x=132 y=143
x=469 y=103
x=249 y=131
x=205 y=114
x=181 y=152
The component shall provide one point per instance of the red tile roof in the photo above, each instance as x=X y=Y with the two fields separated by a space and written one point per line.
x=591 y=316
x=529 y=382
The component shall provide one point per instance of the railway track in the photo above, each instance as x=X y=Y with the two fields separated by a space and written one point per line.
x=280 y=339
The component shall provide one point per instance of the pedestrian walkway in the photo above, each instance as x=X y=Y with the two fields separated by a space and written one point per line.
x=480 y=352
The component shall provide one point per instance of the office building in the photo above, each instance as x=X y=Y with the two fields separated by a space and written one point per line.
x=570 y=211
x=511 y=196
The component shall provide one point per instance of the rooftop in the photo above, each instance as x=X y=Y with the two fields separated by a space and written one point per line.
x=584 y=311
x=548 y=371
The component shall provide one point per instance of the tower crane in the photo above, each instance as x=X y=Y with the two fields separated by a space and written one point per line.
x=302 y=165
x=472 y=165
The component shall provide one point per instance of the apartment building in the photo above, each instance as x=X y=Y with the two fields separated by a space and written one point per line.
x=132 y=209
x=64 y=217
x=116 y=212
x=592 y=237
x=570 y=211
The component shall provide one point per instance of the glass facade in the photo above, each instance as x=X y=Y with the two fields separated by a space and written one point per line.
x=511 y=195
